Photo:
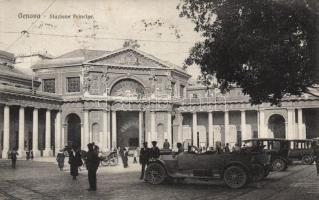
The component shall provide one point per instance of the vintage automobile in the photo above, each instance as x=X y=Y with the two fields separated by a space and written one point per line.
x=276 y=147
x=236 y=168
x=303 y=150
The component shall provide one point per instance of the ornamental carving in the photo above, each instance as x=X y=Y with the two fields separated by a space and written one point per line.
x=128 y=88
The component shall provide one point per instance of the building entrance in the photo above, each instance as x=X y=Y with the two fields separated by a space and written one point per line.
x=276 y=125
x=74 y=130
x=127 y=126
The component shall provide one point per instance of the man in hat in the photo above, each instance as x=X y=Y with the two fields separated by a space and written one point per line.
x=92 y=164
x=155 y=152
x=144 y=157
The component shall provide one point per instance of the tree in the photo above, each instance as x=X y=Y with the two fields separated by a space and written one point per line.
x=131 y=43
x=206 y=79
x=269 y=48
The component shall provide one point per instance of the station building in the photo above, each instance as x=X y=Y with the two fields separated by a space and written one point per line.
x=124 y=97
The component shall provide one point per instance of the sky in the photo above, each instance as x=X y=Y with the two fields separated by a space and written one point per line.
x=105 y=26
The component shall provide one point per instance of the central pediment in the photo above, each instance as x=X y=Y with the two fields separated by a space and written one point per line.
x=129 y=57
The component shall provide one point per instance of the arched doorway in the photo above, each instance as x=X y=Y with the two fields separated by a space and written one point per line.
x=128 y=129
x=74 y=130
x=276 y=124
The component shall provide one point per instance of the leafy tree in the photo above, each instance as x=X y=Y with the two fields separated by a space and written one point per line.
x=269 y=48
x=206 y=79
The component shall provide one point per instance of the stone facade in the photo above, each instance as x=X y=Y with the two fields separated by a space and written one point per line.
x=125 y=97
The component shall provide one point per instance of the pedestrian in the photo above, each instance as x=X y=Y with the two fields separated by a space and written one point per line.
x=92 y=164
x=75 y=162
x=13 y=155
x=166 y=145
x=31 y=154
x=136 y=154
x=125 y=157
x=236 y=148
x=179 y=148
x=144 y=158
x=60 y=159
x=226 y=148
x=154 y=151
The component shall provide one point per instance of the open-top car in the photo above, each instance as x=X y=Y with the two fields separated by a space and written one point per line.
x=276 y=147
x=236 y=169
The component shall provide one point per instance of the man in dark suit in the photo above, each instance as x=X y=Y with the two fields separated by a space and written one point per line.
x=144 y=157
x=92 y=164
x=155 y=152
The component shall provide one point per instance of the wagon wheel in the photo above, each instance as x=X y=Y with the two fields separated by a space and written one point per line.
x=155 y=174
x=278 y=165
x=235 y=177
x=307 y=160
x=104 y=162
x=259 y=172
x=113 y=161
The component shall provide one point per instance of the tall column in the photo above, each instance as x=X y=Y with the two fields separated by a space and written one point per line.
x=210 y=129
x=153 y=128
x=301 y=134
x=243 y=125
x=261 y=125
x=179 y=127
x=169 y=128
x=104 y=134
x=140 y=129
x=194 y=128
x=226 y=124
x=109 y=131
x=35 y=131
x=290 y=126
x=63 y=133
x=21 y=131
x=82 y=136
x=6 y=131
x=86 y=135
x=47 y=151
x=114 y=133
x=58 y=126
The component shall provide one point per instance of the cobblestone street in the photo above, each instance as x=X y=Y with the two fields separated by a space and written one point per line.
x=42 y=180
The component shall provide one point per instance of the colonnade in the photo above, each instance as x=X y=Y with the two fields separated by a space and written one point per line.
x=48 y=151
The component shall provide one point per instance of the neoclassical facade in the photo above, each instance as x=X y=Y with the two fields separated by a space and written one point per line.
x=124 y=97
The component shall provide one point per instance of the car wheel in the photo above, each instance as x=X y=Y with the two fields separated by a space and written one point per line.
x=155 y=173
x=235 y=177
x=307 y=160
x=258 y=172
x=278 y=165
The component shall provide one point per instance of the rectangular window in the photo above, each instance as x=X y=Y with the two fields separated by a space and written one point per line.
x=73 y=84
x=181 y=92
x=173 y=89
x=49 y=85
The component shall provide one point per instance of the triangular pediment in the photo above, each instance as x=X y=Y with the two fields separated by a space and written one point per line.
x=129 y=57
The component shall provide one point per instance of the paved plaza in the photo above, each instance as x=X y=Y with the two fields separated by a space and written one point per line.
x=41 y=180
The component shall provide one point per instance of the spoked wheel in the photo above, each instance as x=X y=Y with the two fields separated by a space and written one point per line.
x=105 y=162
x=258 y=172
x=155 y=174
x=307 y=160
x=113 y=161
x=278 y=165
x=235 y=177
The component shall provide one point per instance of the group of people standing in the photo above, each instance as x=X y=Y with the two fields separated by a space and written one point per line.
x=92 y=162
x=146 y=154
